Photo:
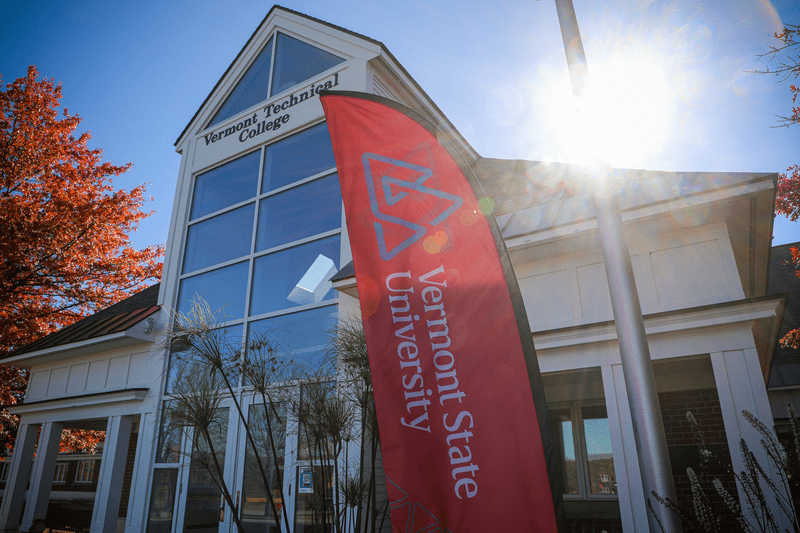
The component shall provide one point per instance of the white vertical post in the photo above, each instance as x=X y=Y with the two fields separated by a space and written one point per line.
x=44 y=467
x=648 y=429
x=18 y=476
x=112 y=472
x=632 y=505
x=740 y=386
x=137 y=503
x=637 y=367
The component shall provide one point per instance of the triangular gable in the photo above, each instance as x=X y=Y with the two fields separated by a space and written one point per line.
x=347 y=43
x=295 y=61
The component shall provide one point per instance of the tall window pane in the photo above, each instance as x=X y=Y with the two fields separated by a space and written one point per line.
x=203 y=495
x=296 y=61
x=169 y=438
x=268 y=428
x=227 y=185
x=314 y=511
x=561 y=421
x=598 y=450
x=299 y=156
x=224 y=288
x=162 y=500
x=300 y=212
x=251 y=89
x=219 y=239
x=295 y=276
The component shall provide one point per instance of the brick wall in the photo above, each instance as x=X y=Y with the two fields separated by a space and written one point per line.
x=128 y=477
x=684 y=452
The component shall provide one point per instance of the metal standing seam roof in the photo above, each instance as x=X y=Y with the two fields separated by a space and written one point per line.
x=532 y=196
x=114 y=319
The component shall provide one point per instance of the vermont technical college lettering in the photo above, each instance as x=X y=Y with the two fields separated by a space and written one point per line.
x=271 y=120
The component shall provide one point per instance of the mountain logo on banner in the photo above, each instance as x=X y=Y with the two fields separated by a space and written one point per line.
x=393 y=190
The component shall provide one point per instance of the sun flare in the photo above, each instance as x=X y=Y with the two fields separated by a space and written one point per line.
x=623 y=117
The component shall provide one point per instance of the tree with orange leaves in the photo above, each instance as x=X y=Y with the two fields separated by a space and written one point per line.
x=787 y=200
x=64 y=231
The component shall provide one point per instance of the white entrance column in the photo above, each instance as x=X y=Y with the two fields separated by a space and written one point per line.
x=740 y=386
x=112 y=472
x=137 y=504
x=632 y=504
x=18 y=475
x=44 y=467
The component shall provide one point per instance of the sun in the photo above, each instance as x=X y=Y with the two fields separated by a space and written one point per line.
x=624 y=116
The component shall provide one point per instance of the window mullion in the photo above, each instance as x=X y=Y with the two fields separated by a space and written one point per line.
x=582 y=460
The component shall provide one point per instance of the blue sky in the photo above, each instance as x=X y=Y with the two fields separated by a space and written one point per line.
x=137 y=72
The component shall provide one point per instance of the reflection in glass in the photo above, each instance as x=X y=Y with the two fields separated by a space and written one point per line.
x=296 y=61
x=598 y=450
x=316 y=399
x=182 y=363
x=169 y=438
x=297 y=157
x=162 y=500
x=314 y=506
x=223 y=289
x=219 y=239
x=302 y=336
x=561 y=420
x=203 y=496
x=226 y=185
x=251 y=89
x=257 y=513
x=276 y=275
x=301 y=212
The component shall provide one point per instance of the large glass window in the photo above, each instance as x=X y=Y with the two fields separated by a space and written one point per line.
x=284 y=273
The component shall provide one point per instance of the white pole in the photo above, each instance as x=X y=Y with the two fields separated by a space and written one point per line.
x=637 y=368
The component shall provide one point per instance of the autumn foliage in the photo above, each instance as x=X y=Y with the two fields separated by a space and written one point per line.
x=64 y=230
x=785 y=58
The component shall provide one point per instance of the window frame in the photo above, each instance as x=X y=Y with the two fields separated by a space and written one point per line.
x=581 y=454
x=254 y=253
x=60 y=474
x=85 y=466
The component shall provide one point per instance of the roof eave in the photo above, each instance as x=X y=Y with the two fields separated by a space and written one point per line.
x=123 y=339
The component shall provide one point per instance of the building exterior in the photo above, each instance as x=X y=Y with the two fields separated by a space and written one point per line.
x=258 y=231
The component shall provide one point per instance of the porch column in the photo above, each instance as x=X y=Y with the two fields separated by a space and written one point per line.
x=44 y=467
x=137 y=503
x=18 y=475
x=740 y=385
x=112 y=471
x=632 y=505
